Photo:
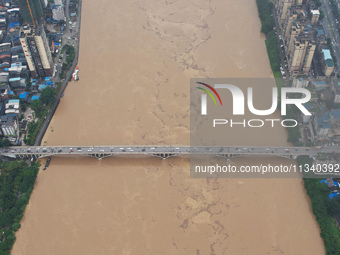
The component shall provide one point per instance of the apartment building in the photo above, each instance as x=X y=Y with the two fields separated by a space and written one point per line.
x=37 y=51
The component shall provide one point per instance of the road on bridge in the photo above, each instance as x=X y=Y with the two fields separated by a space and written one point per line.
x=130 y=150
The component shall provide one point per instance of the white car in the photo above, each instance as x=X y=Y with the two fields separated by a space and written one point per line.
x=102 y=150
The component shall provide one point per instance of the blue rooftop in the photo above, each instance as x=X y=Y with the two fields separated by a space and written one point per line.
x=336 y=113
x=332 y=195
x=35 y=97
x=320 y=83
x=323 y=121
x=23 y=95
x=327 y=54
x=15 y=79
x=14 y=101
x=41 y=87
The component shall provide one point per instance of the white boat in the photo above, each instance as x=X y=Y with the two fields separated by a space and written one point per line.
x=75 y=77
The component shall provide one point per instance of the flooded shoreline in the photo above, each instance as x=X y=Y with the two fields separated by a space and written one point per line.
x=136 y=60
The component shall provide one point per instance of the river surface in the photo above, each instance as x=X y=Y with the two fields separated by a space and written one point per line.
x=136 y=59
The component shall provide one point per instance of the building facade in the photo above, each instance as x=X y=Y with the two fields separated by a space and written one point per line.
x=327 y=62
x=37 y=51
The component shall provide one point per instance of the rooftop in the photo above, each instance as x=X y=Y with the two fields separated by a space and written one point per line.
x=323 y=120
x=315 y=12
x=336 y=113
x=327 y=54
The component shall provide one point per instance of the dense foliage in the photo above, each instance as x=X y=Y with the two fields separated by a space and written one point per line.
x=5 y=143
x=34 y=126
x=266 y=15
x=268 y=23
x=324 y=209
x=273 y=51
x=294 y=134
x=47 y=95
x=70 y=53
x=16 y=184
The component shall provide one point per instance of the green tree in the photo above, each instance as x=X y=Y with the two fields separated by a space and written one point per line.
x=322 y=15
x=5 y=143
x=37 y=106
x=47 y=95
x=5 y=219
x=15 y=226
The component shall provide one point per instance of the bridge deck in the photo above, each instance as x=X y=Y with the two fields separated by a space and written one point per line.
x=42 y=151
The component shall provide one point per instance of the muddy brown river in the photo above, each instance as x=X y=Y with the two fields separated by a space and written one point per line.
x=136 y=59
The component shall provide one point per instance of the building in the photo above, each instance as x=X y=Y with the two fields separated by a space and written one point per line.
x=335 y=125
x=327 y=126
x=300 y=82
x=58 y=12
x=300 y=59
x=320 y=85
x=9 y=125
x=322 y=126
x=315 y=14
x=327 y=62
x=37 y=51
x=17 y=83
x=283 y=7
x=312 y=108
x=31 y=10
x=336 y=90
x=23 y=127
x=13 y=106
x=326 y=94
x=44 y=3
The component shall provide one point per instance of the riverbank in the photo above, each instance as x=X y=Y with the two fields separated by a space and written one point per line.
x=61 y=89
x=17 y=182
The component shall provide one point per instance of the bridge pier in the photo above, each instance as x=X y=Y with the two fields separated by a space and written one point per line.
x=288 y=156
x=100 y=156
x=164 y=155
x=228 y=156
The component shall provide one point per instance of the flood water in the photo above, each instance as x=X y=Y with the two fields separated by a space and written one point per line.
x=136 y=59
